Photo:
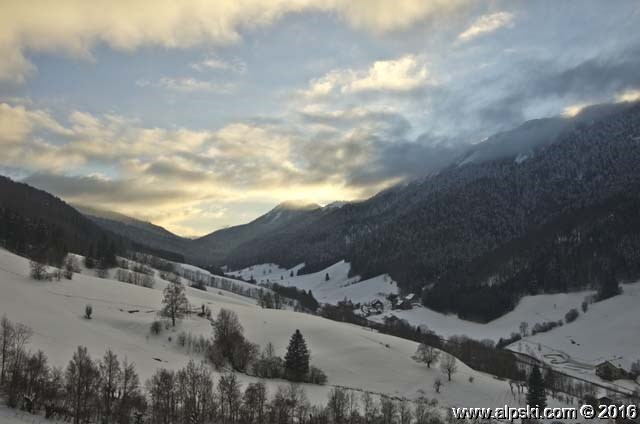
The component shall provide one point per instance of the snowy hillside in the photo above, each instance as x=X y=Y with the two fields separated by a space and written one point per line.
x=530 y=309
x=608 y=331
x=351 y=356
x=338 y=286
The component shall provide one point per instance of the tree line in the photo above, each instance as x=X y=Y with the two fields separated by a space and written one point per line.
x=108 y=390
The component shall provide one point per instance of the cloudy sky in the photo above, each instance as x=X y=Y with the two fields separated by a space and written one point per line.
x=198 y=114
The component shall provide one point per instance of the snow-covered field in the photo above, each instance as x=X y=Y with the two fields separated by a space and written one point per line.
x=609 y=330
x=530 y=309
x=338 y=287
x=350 y=355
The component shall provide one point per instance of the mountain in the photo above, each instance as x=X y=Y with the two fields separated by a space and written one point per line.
x=143 y=232
x=212 y=248
x=421 y=232
x=100 y=214
x=523 y=141
x=37 y=224
x=285 y=217
x=473 y=237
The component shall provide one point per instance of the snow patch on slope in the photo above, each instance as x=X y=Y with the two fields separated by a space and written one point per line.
x=338 y=287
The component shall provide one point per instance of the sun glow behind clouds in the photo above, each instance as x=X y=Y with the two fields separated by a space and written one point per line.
x=218 y=110
x=628 y=96
x=573 y=110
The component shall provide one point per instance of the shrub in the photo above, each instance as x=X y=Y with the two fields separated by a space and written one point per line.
x=148 y=281
x=316 y=375
x=71 y=265
x=572 y=315
x=545 y=326
x=38 y=270
x=585 y=305
x=199 y=285
x=88 y=310
x=156 y=327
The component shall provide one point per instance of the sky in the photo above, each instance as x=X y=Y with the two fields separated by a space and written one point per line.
x=196 y=115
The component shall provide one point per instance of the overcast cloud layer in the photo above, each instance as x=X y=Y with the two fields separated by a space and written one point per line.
x=197 y=114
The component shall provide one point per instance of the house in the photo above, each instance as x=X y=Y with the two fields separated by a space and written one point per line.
x=377 y=306
x=609 y=371
x=402 y=304
x=374 y=308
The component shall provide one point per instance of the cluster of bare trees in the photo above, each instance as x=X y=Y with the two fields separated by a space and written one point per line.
x=136 y=278
x=229 y=348
x=429 y=355
x=191 y=395
x=108 y=391
x=40 y=271
x=86 y=390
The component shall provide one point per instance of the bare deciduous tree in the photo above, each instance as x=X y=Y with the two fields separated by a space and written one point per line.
x=175 y=302
x=426 y=354
x=449 y=365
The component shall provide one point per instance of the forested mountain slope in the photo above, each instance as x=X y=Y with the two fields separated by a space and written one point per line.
x=421 y=232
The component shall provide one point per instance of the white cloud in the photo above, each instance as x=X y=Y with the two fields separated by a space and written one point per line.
x=178 y=170
x=188 y=85
x=75 y=26
x=486 y=24
x=384 y=15
x=404 y=74
x=215 y=63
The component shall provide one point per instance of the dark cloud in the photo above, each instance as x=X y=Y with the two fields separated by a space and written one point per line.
x=90 y=189
x=170 y=170
x=405 y=160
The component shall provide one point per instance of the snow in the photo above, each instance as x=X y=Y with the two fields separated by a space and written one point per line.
x=350 y=355
x=339 y=286
x=194 y=270
x=13 y=416
x=609 y=330
x=530 y=309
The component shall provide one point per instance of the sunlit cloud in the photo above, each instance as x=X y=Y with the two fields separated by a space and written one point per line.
x=181 y=169
x=486 y=24
x=402 y=75
x=573 y=110
x=74 y=27
x=628 y=96
x=215 y=63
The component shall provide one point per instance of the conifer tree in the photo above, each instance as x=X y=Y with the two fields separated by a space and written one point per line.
x=297 y=357
x=536 y=395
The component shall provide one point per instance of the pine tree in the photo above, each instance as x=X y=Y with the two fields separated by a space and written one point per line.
x=297 y=357
x=536 y=395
